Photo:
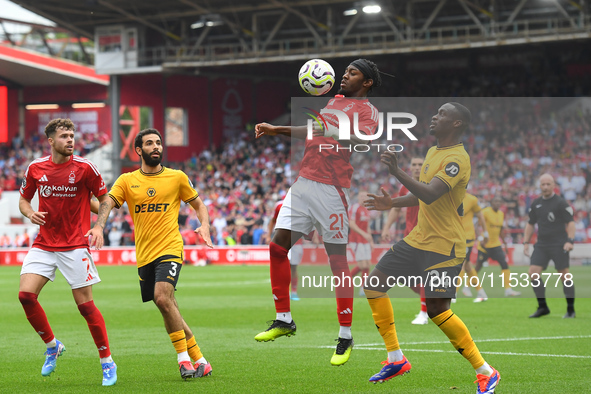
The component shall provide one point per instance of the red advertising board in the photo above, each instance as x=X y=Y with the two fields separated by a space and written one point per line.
x=126 y=255
x=218 y=255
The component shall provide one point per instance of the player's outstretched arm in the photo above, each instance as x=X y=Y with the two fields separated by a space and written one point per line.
x=426 y=192
x=299 y=132
x=384 y=202
x=203 y=217
x=27 y=210
x=96 y=232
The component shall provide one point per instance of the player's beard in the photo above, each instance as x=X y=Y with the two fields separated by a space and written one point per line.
x=149 y=160
x=63 y=151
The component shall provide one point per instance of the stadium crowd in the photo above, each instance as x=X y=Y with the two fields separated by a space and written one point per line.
x=511 y=143
x=16 y=156
x=242 y=180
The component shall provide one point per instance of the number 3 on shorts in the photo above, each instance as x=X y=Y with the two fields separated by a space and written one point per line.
x=172 y=272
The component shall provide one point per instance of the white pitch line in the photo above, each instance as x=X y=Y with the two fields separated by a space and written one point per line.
x=224 y=284
x=535 y=355
x=454 y=351
x=485 y=340
x=370 y=346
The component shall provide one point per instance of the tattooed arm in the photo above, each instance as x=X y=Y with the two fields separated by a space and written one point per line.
x=94 y=205
x=105 y=206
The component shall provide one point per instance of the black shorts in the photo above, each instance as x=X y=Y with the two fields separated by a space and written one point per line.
x=402 y=263
x=543 y=254
x=497 y=254
x=163 y=269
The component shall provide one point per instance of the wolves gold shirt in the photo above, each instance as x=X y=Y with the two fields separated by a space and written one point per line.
x=494 y=225
x=471 y=207
x=440 y=228
x=154 y=202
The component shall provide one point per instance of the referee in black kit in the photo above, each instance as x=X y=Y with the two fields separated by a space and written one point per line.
x=556 y=230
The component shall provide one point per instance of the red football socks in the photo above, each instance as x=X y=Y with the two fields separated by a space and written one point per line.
x=280 y=277
x=343 y=292
x=36 y=315
x=96 y=324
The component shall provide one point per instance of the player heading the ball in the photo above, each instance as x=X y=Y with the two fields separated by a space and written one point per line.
x=322 y=188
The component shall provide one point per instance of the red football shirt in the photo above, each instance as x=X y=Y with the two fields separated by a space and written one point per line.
x=329 y=166
x=360 y=215
x=64 y=193
x=412 y=213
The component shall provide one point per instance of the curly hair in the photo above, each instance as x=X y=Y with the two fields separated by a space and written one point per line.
x=57 y=123
x=138 y=142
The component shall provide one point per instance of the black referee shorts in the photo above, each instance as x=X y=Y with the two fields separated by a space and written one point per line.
x=497 y=254
x=403 y=263
x=544 y=253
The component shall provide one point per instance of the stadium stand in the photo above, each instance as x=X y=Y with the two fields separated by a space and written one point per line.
x=241 y=180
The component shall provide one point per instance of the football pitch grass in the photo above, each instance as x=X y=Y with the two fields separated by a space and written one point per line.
x=227 y=306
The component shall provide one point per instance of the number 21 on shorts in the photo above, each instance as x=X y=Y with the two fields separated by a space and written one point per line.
x=335 y=219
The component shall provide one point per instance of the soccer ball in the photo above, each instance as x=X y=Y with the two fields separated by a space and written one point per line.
x=316 y=77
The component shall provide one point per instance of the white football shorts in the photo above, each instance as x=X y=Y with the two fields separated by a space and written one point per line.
x=362 y=251
x=295 y=254
x=75 y=265
x=310 y=204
